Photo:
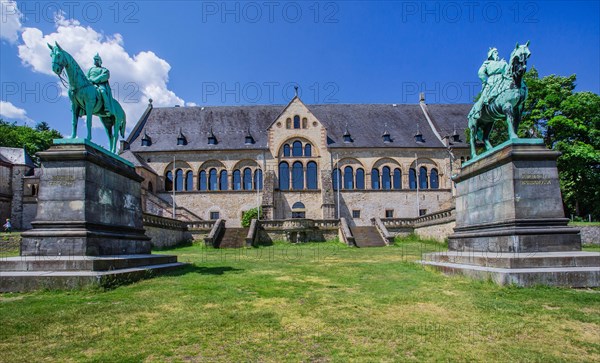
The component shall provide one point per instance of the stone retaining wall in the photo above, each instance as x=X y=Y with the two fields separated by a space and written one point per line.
x=165 y=232
x=590 y=235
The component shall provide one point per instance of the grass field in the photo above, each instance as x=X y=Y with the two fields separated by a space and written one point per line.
x=311 y=302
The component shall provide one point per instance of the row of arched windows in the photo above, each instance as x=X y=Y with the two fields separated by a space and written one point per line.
x=384 y=179
x=213 y=179
x=298 y=177
x=296 y=124
x=297 y=149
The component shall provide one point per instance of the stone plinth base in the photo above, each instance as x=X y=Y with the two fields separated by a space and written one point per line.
x=20 y=274
x=509 y=201
x=89 y=203
x=566 y=269
x=510 y=224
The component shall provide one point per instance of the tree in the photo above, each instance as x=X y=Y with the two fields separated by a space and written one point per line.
x=569 y=122
x=31 y=139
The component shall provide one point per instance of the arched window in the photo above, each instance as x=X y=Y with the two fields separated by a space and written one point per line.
x=169 y=181
x=202 y=180
x=284 y=176
x=150 y=187
x=348 y=178
x=237 y=180
x=311 y=175
x=412 y=179
x=296 y=122
x=386 y=182
x=375 y=179
x=298 y=210
x=286 y=150
x=397 y=179
x=288 y=123
x=258 y=179
x=434 y=181
x=189 y=180
x=179 y=180
x=247 y=179
x=307 y=150
x=336 y=176
x=297 y=148
x=360 y=178
x=223 y=180
x=297 y=176
x=212 y=180
x=422 y=178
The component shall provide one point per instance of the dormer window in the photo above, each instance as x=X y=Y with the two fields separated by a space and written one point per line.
x=455 y=135
x=181 y=140
x=347 y=136
x=212 y=139
x=387 y=138
x=419 y=136
x=248 y=140
x=146 y=140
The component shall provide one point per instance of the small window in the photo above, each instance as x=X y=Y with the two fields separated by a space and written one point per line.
x=298 y=215
x=389 y=213
x=356 y=213
x=422 y=212
x=296 y=122
x=214 y=215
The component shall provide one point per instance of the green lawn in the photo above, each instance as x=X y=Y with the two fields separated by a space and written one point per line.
x=311 y=302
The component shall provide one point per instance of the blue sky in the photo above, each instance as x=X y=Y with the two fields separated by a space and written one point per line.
x=239 y=53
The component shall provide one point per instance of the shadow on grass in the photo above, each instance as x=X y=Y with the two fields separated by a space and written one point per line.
x=190 y=268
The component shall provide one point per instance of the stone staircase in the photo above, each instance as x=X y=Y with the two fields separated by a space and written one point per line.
x=233 y=238
x=367 y=237
x=28 y=273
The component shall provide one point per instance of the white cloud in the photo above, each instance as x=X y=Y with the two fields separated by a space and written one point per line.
x=10 y=21
x=10 y=111
x=191 y=104
x=134 y=79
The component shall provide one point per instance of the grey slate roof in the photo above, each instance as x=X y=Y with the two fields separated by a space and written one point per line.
x=16 y=156
x=135 y=160
x=230 y=124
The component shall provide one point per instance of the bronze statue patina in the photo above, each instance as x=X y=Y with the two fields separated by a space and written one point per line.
x=90 y=95
x=502 y=97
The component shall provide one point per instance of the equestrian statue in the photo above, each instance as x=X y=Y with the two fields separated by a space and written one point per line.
x=502 y=97
x=90 y=95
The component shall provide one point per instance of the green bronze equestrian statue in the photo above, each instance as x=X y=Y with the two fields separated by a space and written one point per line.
x=90 y=95
x=502 y=97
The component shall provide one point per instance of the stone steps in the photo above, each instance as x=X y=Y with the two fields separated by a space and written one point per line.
x=82 y=263
x=566 y=269
x=367 y=237
x=518 y=260
x=22 y=281
x=233 y=238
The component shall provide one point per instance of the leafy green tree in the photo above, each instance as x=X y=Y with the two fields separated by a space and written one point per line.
x=249 y=215
x=31 y=139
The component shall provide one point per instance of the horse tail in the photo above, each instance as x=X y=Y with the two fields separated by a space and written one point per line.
x=122 y=122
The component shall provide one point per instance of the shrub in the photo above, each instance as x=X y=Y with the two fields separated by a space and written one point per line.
x=249 y=215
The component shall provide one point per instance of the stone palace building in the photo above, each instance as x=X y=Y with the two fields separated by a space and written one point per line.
x=358 y=161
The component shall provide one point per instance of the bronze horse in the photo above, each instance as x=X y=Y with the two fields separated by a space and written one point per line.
x=506 y=102
x=85 y=98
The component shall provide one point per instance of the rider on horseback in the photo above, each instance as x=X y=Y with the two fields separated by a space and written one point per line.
x=490 y=73
x=99 y=76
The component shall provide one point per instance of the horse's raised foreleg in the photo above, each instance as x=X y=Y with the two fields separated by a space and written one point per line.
x=508 y=111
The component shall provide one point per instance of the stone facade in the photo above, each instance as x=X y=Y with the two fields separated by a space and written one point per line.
x=590 y=235
x=172 y=147
x=15 y=165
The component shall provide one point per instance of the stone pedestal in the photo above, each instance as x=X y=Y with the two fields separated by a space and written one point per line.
x=510 y=224
x=88 y=229
x=89 y=204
